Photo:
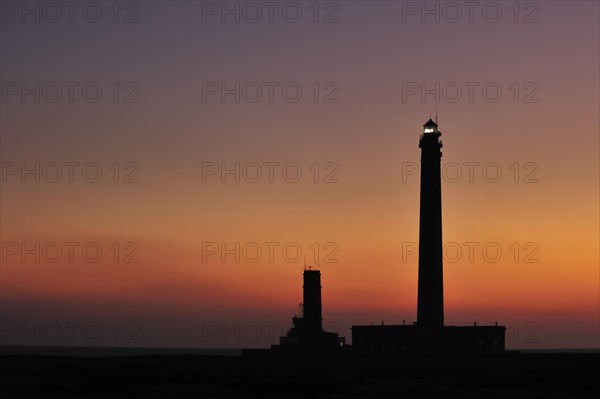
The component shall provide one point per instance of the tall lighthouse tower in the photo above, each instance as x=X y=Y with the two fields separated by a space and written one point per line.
x=430 y=303
x=429 y=335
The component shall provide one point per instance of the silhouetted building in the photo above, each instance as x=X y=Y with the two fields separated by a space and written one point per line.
x=428 y=334
x=414 y=339
x=307 y=331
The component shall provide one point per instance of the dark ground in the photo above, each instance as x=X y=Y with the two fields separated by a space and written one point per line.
x=188 y=376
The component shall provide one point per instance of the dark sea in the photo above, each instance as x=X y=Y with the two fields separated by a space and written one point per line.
x=105 y=351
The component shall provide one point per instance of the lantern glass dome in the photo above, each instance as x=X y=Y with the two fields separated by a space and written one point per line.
x=429 y=127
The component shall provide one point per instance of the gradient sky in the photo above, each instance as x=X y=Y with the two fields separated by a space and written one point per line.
x=175 y=296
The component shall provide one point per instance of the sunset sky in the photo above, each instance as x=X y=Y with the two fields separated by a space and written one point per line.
x=161 y=137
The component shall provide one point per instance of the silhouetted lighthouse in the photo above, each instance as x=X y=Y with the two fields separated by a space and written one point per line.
x=430 y=304
x=307 y=333
x=312 y=301
x=429 y=335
